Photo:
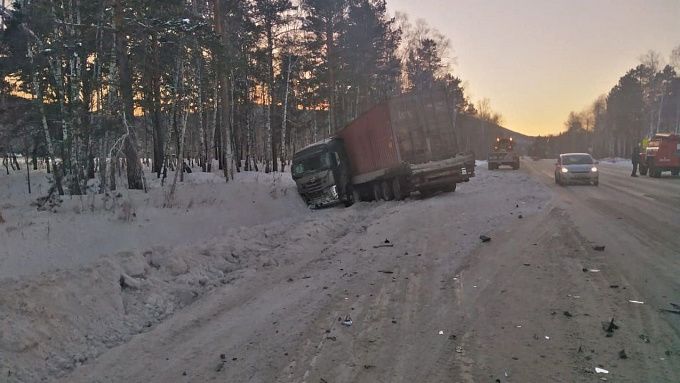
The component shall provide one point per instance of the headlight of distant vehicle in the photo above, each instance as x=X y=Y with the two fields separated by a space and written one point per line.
x=593 y=169
x=565 y=170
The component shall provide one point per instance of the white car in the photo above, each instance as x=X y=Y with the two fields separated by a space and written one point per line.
x=576 y=168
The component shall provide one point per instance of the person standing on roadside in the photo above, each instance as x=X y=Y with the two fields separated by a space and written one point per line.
x=635 y=159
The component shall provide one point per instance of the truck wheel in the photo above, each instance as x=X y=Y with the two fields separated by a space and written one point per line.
x=349 y=196
x=377 y=192
x=356 y=195
x=675 y=172
x=387 y=190
x=396 y=189
x=451 y=188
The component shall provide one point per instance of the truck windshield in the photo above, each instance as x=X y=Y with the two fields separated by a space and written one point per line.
x=579 y=159
x=319 y=161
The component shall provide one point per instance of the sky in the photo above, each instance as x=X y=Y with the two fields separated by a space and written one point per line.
x=537 y=60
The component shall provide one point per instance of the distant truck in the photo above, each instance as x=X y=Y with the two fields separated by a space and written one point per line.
x=404 y=145
x=661 y=155
x=503 y=153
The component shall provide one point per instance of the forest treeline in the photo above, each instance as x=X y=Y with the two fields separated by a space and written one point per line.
x=645 y=101
x=134 y=83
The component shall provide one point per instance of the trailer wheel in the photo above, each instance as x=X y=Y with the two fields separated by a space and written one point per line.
x=451 y=188
x=377 y=192
x=396 y=189
x=386 y=190
x=356 y=195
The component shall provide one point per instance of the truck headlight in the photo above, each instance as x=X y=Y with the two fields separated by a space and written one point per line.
x=593 y=169
x=565 y=170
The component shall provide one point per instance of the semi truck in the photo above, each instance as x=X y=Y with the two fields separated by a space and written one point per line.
x=503 y=153
x=661 y=154
x=403 y=145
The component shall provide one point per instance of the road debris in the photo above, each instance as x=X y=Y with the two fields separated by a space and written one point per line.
x=459 y=349
x=637 y=302
x=368 y=366
x=613 y=286
x=598 y=247
x=609 y=327
x=567 y=314
x=599 y=370
x=348 y=321
x=485 y=238
x=441 y=332
x=383 y=245
x=622 y=354
x=676 y=306
x=386 y=271
x=644 y=338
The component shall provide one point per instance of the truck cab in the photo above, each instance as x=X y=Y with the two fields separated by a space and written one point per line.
x=322 y=173
x=503 y=153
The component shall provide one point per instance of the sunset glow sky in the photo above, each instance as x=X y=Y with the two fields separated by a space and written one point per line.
x=537 y=60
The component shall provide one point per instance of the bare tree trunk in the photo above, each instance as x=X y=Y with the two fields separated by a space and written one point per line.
x=218 y=14
x=134 y=169
x=284 y=155
x=46 y=130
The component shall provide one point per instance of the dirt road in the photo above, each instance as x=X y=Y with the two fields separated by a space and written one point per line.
x=430 y=303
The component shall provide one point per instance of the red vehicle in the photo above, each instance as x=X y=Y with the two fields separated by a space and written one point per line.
x=662 y=155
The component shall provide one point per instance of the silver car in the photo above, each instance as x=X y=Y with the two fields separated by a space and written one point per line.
x=576 y=168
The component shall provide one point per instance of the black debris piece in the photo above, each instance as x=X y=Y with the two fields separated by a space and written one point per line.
x=567 y=314
x=386 y=271
x=609 y=327
x=383 y=245
x=622 y=354
x=485 y=238
x=368 y=366
x=223 y=357
x=527 y=264
x=332 y=338
x=520 y=216
x=644 y=338
x=598 y=247
x=585 y=270
x=613 y=286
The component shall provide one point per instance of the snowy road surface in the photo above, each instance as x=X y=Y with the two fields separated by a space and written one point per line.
x=428 y=301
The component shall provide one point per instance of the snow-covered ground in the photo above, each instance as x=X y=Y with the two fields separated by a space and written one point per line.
x=622 y=162
x=83 y=229
x=121 y=278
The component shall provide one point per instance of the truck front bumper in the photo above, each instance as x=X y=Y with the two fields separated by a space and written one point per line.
x=326 y=197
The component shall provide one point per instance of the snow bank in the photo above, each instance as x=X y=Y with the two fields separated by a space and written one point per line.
x=85 y=228
x=617 y=161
